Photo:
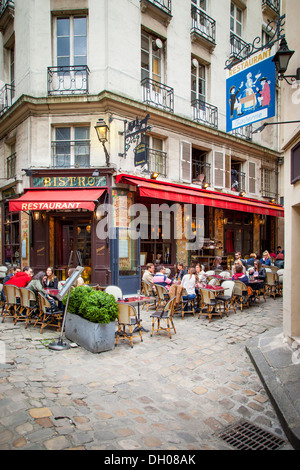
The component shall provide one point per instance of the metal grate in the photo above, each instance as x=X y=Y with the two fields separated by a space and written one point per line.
x=245 y=436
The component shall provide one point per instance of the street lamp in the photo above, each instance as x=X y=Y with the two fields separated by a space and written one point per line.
x=282 y=59
x=265 y=124
x=102 y=130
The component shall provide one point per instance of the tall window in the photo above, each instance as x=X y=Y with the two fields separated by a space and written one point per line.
x=12 y=70
x=198 y=82
x=11 y=243
x=200 y=4
x=71 y=41
x=152 y=57
x=71 y=147
x=236 y=19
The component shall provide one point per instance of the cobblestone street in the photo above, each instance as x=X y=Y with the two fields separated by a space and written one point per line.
x=164 y=394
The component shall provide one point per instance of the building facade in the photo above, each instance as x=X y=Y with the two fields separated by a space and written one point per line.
x=154 y=72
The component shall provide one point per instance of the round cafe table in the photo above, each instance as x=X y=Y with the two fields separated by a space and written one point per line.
x=136 y=300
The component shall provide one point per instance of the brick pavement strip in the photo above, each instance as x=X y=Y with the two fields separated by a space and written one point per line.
x=162 y=394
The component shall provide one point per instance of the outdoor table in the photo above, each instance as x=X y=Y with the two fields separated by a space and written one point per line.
x=136 y=300
x=52 y=292
x=216 y=276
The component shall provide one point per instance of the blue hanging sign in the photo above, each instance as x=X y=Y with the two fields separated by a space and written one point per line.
x=250 y=90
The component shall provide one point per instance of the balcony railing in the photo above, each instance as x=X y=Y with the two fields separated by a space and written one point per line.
x=157 y=161
x=273 y=4
x=68 y=80
x=6 y=96
x=239 y=48
x=11 y=166
x=238 y=180
x=201 y=172
x=165 y=5
x=157 y=94
x=203 y=24
x=69 y=153
x=205 y=113
x=243 y=132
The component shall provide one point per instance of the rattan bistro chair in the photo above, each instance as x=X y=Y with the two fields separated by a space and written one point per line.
x=128 y=319
x=28 y=305
x=162 y=296
x=211 y=303
x=13 y=301
x=47 y=317
x=164 y=315
x=149 y=292
x=240 y=294
x=227 y=298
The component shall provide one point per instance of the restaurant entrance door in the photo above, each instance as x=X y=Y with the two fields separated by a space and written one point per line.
x=125 y=260
x=72 y=245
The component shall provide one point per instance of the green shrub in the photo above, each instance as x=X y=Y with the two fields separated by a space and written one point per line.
x=94 y=306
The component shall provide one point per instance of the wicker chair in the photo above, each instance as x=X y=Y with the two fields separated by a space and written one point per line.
x=164 y=315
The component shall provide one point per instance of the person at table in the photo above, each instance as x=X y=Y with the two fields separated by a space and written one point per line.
x=188 y=283
x=21 y=278
x=201 y=276
x=10 y=273
x=161 y=279
x=250 y=261
x=238 y=257
x=149 y=274
x=36 y=285
x=79 y=280
x=238 y=263
x=217 y=263
x=279 y=261
x=240 y=275
x=50 y=281
x=258 y=272
x=180 y=272
x=266 y=258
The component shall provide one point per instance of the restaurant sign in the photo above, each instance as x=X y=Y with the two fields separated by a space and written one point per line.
x=69 y=182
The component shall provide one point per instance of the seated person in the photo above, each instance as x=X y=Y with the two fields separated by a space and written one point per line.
x=10 y=273
x=279 y=261
x=180 y=272
x=217 y=264
x=258 y=272
x=240 y=275
x=238 y=263
x=250 y=261
x=21 y=278
x=189 y=283
x=149 y=273
x=50 y=281
x=161 y=279
x=36 y=286
x=201 y=277
x=266 y=259
x=79 y=280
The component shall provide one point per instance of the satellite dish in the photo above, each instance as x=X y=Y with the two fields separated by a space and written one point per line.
x=157 y=44
x=195 y=63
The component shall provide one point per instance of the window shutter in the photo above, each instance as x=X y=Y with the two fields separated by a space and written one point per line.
x=227 y=171
x=186 y=162
x=251 y=180
x=219 y=169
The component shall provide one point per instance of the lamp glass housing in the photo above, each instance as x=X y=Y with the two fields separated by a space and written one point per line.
x=102 y=130
x=282 y=57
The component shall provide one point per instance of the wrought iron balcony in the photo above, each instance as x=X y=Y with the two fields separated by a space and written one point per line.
x=239 y=48
x=68 y=80
x=203 y=25
x=243 y=132
x=165 y=5
x=273 y=4
x=157 y=94
x=11 y=166
x=6 y=96
x=70 y=153
x=205 y=113
x=238 y=179
x=201 y=172
x=157 y=161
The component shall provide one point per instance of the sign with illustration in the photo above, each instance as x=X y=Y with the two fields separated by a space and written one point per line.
x=250 y=90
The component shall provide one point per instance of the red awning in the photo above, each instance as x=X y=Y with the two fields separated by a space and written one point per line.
x=185 y=194
x=56 y=199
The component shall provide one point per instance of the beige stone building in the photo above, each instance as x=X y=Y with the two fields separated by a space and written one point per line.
x=156 y=66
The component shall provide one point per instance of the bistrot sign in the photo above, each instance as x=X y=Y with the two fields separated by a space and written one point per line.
x=250 y=90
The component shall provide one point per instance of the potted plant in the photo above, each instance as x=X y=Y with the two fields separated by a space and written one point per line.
x=90 y=320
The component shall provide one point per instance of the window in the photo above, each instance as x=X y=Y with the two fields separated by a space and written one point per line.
x=157 y=158
x=71 y=147
x=71 y=41
x=295 y=164
x=11 y=162
x=268 y=182
x=236 y=19
x=152 y=57
x=12 y=70
x=198 y=76
x=200 y=4
x=11 y=236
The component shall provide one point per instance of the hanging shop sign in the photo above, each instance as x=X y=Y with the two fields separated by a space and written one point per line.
x=69 y=182
x=250 y=90
x=140 y=154
x=134 y=130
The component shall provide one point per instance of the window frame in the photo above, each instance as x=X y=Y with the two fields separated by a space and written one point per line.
x=72 y=146
x=71 y=36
